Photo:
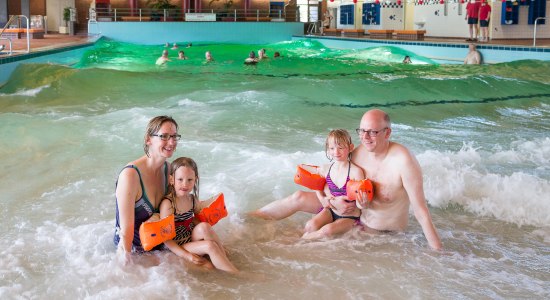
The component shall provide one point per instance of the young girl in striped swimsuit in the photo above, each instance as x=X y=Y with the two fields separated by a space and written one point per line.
x=328 y=222
x=193 y=240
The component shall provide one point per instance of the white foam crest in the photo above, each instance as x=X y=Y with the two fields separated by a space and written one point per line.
x=191 y=103
x=64 y=191
x=389 y=77
x=461 y=178
x=249 y=176
x=444 y=77
x=28 y=93
x=536 y=152
x=525 y=113
x=246 y=97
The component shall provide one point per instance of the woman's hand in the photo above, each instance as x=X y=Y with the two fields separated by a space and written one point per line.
x=123 y=256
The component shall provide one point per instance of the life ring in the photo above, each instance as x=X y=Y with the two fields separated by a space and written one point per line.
x=214 y=212
x=312 y=181
x=155 y=233
x=353 y=188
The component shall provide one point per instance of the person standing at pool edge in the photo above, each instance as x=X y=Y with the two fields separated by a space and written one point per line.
x=484 y=16
x=142 y=184
x=472 y=15
x=397 y=179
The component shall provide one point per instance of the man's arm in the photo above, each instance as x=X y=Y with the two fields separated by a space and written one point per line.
x=413 y=184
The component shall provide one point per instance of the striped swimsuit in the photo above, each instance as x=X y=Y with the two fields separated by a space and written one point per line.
x=184 y=225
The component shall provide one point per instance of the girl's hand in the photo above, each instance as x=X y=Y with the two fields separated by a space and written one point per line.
x=195 y=259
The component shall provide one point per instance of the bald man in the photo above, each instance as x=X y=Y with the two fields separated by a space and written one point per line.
x=397 y=178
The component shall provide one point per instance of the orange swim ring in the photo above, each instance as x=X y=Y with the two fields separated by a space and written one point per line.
x=155 y=233
x=312 y=181
x=353 y=188
x=214 y=212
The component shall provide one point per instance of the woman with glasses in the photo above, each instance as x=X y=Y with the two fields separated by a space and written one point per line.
x=142 y=184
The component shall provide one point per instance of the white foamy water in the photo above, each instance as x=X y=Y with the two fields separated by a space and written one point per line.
x=485 y=166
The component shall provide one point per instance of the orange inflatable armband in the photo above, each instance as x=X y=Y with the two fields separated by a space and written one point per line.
x=355 y=186
x=312 y=181
x=155 y=233
x=214 y=212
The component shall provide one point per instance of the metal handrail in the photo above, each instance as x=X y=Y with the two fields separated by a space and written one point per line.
x=7 y=24
x=9 y=41
x=535 y=30
x=12 y=18
x=150 y=14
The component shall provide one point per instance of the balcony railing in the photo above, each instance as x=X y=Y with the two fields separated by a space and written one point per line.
x=178 y=15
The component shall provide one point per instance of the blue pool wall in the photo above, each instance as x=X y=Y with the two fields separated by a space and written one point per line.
x=441 y=51
x=156 y=33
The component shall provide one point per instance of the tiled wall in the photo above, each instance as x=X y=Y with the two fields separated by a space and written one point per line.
x=439 y=23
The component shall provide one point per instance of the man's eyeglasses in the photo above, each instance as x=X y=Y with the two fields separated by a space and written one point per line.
x=167 y=136
x=371 y=133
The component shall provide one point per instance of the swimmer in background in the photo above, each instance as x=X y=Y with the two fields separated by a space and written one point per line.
x=276 y=54
x=407 y=60
x=166 y=45
x=261 y=54
x=189 y=45
x=251 y=59
x=175 y=46
x=163 y=59
x=181 y=55
x=194 y=239
x=208 y=56
x=473 y=57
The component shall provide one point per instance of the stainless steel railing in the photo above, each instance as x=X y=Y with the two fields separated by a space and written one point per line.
x=10 y=21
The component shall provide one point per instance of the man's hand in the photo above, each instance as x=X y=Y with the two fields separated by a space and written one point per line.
x=342 y=206
x=362 y=200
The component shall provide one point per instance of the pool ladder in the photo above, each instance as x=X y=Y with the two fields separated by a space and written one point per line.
x=16 y=17
x=313 y=28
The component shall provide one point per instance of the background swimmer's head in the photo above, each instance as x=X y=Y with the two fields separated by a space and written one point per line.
x=153 y=128
x=185 y=162
x=252 y=54
x=341 y=137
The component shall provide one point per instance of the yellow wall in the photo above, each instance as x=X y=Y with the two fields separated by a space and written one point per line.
x=409 y=15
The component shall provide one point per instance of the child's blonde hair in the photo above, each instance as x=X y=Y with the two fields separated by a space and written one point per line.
x=341 y=137
x=176 y=164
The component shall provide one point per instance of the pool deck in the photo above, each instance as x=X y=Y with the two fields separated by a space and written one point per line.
x=55 y=41
x=49 y=42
